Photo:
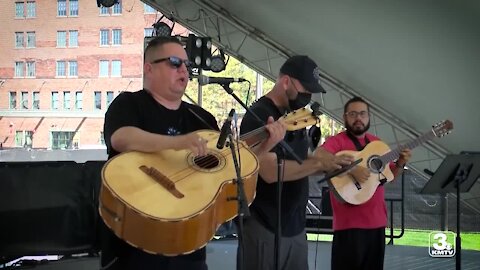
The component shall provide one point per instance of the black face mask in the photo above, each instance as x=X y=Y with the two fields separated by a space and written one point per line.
x=301 y=101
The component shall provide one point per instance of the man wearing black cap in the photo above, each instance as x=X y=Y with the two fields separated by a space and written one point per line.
x=298 y=79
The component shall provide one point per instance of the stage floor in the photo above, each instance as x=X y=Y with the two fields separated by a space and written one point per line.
x=221 y=255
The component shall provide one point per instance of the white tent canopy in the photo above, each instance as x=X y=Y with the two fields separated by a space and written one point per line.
x=417 y=62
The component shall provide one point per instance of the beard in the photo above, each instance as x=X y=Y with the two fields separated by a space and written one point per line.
x=357 y=130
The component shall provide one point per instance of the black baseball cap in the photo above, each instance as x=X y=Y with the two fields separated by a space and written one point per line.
x=304 y=69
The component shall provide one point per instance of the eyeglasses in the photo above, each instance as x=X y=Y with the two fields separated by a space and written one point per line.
x=174 y=61
x=354 y=114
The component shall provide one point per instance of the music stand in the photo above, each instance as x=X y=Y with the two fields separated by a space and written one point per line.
x=456 y=173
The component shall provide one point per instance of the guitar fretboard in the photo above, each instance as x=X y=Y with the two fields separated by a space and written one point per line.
x=395 y=153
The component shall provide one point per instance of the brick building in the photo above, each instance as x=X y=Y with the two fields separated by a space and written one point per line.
x=61 y=63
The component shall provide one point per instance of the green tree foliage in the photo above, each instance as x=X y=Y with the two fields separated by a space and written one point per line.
x=217 y=101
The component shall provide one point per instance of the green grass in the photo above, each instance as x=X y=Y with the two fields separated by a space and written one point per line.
x=419 y=238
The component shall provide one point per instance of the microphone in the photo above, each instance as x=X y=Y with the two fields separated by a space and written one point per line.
x=225 y=130
x=203 y=80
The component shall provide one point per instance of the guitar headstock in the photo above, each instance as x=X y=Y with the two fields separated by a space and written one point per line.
x=442 y=128
x=300 y=118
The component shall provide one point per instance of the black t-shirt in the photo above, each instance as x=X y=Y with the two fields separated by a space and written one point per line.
x=294 y=193
x=140 y=109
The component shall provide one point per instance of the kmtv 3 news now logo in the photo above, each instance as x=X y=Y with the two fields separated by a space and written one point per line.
x=442 y=244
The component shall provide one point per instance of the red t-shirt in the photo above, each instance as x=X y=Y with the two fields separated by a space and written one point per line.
x=369 y=215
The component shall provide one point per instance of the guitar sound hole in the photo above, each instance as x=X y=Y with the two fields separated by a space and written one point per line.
x=207 y=162
x=376 y=164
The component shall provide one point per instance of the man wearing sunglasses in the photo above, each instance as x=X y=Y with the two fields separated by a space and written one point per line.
x=359 y=230
x=298 y=79
x=155 y=119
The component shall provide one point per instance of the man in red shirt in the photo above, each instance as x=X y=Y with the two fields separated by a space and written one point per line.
x=359 y=230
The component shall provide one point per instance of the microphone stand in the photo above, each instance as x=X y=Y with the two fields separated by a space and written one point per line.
x=278 y=233
x=241 y=198
x=283 y=147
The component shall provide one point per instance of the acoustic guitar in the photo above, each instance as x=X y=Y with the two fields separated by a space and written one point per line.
x=376 y=156
x=171 y=202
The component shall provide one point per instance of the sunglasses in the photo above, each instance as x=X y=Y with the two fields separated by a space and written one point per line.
x=174 y=61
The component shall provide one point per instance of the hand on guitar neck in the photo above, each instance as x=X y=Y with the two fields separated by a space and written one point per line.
x=276 y=132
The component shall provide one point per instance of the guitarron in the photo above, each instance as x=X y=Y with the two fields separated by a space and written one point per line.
x=172 y=203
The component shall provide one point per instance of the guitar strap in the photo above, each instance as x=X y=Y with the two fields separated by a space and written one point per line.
x=357 y=142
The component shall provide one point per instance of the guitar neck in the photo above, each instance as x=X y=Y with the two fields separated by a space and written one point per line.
x=395 y=153
x=255 y=136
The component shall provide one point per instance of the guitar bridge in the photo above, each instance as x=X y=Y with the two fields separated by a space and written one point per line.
x=357 y=184
x=162 y=180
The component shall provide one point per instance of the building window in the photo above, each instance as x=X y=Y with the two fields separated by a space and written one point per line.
x=13 y=100
x=36 y=101
x=61 y=69
x=23 y=138
x=103 y=72
x=116 y=36
x=72 y=69
x=104 y=37
x=117 y=8
x=55 y=100
x=78 y=100
x=116 y=68
x=148 y=9
x=104 y=10
x=30 y=69
x=24 y=102
x=31 y=40
x=19 y=10
x=109 y=98
x=19 y=39
x=19 y=69
x=98 y=100
x=61 y=39
x=73 y=7
x=62 y=8
x=73 y=38
x=148 y=32
x=66 y=100
x=62 y=139
x=31 y=10
x=102 y=138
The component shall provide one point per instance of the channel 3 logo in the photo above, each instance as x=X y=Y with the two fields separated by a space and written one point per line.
x=442 y=244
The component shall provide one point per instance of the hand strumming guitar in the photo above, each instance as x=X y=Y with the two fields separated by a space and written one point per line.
x=329 y=162
x=360 y=174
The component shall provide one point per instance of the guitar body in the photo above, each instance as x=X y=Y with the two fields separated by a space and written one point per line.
x=346 y=189
x=376 y=156
x=145 y=210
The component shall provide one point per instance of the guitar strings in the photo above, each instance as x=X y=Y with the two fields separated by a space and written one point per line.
x=209 y=161
x=189 y=171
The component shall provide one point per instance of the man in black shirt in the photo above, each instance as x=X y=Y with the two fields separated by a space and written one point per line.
x=298 y=79
x=156 y=119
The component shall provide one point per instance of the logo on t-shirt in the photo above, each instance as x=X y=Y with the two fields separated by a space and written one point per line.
x=173 y=131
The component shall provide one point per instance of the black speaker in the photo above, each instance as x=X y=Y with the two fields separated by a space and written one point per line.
x=48 y=207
